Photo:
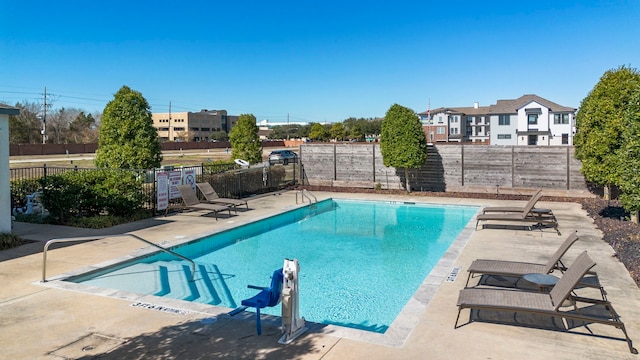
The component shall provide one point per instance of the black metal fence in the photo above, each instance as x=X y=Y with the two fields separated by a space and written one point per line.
x=229 y=180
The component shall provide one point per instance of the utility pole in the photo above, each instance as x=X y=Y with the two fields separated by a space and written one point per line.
x=44 y=118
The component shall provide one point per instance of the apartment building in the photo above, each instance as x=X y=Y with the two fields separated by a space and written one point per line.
x=528 y=120
x=192 y=126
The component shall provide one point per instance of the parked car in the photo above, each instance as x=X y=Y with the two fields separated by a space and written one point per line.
x=282 y=157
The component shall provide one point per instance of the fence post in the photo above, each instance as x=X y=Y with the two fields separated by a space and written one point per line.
x=513 y=166
x=568 y=169
x=154 y=197
x=335 y=164
x=462 y=165
x=373 y=162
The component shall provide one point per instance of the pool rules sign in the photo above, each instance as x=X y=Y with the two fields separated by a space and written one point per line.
x=163 y=190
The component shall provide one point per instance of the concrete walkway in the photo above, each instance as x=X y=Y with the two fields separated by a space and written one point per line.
x=41 y=321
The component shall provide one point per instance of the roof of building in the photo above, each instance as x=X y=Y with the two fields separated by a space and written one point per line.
x=512 y=106
x=503 y=107
x=8 y=110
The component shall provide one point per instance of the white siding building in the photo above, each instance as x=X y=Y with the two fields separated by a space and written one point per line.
x=528 y=120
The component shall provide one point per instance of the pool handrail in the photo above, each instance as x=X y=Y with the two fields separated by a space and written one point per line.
x=88 y=238
x=305 y=193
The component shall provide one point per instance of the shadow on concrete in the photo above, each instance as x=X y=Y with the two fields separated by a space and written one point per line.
x=223 y=338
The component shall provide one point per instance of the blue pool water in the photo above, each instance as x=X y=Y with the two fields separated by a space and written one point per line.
x=360 y=261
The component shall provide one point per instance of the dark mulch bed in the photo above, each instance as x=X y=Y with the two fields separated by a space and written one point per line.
x=622 y=235
x=609 y=217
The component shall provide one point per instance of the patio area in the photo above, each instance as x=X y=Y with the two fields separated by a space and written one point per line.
x=45 y=322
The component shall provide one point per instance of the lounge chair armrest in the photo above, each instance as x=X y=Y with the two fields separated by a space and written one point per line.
x=256 y=287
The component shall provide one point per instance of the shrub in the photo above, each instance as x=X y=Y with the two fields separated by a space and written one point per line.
x=20 y=189
x=90 y=193
x=246 y=182
x=8 y=241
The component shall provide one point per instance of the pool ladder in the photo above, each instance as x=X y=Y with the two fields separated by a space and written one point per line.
x=304 y=193
x=88 y=238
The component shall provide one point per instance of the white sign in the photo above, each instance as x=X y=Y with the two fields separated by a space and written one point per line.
x=189 y=177
x=175 y=179
x=163 y=190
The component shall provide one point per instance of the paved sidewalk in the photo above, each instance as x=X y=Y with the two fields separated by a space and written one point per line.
x=43 y=322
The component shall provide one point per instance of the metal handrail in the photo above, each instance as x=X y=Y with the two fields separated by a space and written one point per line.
x=87 y=238
x=303 y=194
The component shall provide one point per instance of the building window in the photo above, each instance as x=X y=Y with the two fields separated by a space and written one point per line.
x=560 y=118
x=565 y=139
x=504 y=136
x=469 y=119
x=440 y=119
x=504 y=120
x=453 y=131
x=533 y=119
x=533 y=139
x=178 y=129
x=440 y=130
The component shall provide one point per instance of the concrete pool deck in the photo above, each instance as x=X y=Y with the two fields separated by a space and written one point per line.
x=44 y=322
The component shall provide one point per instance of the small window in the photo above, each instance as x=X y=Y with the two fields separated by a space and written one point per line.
x=565 y=139
x=504 y=120
x=532 y=119
x=504 y=136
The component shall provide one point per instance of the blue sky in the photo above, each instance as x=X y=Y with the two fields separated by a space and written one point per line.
x=312 y=60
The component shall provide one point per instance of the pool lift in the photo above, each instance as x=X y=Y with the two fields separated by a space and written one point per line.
x=284 y=287
x=292 y=324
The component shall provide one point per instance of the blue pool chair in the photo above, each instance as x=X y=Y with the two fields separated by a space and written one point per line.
x=266 y=297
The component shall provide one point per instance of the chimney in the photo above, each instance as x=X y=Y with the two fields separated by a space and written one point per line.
x=475 y=105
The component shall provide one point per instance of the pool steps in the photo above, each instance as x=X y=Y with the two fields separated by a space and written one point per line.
x=171 y=279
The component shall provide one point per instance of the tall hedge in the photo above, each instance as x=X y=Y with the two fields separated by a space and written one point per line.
x=127 y=138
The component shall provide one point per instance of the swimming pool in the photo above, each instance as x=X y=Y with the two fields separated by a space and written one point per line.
x=361 y=261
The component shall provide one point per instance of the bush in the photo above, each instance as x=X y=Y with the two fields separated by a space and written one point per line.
x=8 y=241
x=105 y=221
x=218 y=166
x=90 y=193
x=236 y=184
x=20 y=189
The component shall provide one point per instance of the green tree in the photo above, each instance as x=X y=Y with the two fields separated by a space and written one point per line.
x=127 y=138
x=82 y=128
x=402 y=143
x=599 y=125
x=355 y=133
x=245 y=141
x=219 y=136
x=338 y=131
x=318 y=132
x=629 y=158
x=25 y=128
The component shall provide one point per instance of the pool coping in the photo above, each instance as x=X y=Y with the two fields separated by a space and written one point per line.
x=395 y=336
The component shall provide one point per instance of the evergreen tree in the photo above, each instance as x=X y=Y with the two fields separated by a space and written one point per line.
x=127 y=138
x=403 y=143
x=600 y=122
x=338 y=131
x=318 y=132
x=245 y=141
x=629 y=158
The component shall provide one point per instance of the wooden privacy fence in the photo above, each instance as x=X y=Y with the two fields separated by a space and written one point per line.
x=451 y=167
